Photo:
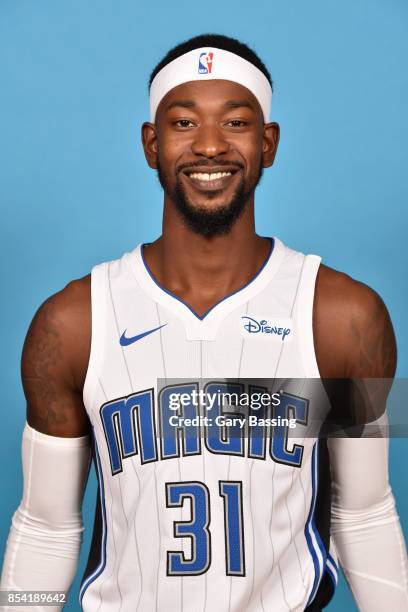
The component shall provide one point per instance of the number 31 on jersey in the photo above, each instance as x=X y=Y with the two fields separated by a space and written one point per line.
x=197 y=528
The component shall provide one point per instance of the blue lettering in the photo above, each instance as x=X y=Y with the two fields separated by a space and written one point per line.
x=295 y=407
x=169 y=433
x=219 y=439
x=255 y=327
x=121 y=439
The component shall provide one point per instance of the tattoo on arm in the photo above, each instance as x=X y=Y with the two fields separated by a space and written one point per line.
x=52 y=400
x=375 y=343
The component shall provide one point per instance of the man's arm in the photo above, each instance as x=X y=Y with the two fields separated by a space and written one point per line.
x=354 y=339
x=353 y=333
x=46 y=532
x=54 y=362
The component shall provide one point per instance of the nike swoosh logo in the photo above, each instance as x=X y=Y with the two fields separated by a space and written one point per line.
x=126 y=341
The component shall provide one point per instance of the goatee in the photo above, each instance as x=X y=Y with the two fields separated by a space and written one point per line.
x=210 y=222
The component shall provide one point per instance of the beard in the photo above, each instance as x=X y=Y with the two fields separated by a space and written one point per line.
x=210 y=222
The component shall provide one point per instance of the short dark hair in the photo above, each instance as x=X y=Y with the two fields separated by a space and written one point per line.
x=219 y=42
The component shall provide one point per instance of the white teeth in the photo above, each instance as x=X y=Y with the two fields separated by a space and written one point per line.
x=203 y=176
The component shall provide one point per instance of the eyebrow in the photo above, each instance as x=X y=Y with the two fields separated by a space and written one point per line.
x=182 y=103
x=239 y=104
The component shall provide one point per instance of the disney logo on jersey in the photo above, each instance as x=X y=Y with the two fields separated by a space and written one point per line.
x=205 y=62
x=277 y=329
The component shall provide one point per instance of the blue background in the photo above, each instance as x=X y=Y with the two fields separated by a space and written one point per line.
x=75 y=189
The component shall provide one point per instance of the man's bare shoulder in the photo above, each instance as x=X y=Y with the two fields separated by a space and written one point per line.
x=338 y=291
x=66 y=313
x=352 y=328
x=55 y=359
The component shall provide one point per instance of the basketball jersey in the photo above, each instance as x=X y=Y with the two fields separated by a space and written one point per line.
x=192 y=518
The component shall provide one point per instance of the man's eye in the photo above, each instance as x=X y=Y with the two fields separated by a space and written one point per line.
x=184 y=123
x=236 y=123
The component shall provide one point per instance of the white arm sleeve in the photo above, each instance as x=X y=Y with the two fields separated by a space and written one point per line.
x=365 y=524
x=46 y=533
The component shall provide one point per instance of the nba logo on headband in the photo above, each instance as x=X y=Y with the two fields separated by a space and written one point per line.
x=229 y=66
x=205 y=62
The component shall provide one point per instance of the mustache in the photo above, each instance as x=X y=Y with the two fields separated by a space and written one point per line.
x=210 y=164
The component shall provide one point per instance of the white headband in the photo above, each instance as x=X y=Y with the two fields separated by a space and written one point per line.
x=206 y=64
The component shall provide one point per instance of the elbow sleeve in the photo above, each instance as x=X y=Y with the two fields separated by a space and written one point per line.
x=46 y=531
x=365 y=525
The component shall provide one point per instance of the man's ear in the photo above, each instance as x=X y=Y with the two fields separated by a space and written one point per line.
x=270 y=143
x=149 y=141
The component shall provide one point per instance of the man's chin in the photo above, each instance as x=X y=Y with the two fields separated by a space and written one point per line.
x=211 y=218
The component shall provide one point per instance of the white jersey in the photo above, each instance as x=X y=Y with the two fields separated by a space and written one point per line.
x=192 y=517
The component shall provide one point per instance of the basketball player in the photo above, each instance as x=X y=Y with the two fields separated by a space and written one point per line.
x=196 y=521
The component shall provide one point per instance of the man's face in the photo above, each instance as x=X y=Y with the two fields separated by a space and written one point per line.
x=210 y=145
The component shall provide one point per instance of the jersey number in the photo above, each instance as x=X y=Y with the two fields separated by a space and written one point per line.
x=197 y=528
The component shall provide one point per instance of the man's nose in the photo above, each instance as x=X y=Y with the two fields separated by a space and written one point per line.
x=209 y=141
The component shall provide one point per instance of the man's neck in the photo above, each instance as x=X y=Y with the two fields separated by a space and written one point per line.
x=200 y=270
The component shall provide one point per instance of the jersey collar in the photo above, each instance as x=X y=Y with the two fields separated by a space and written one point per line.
x=206 y=326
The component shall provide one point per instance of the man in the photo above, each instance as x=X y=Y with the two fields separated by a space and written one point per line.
x=194 y=517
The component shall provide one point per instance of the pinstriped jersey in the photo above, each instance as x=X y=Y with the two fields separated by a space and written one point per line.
x=194 y=511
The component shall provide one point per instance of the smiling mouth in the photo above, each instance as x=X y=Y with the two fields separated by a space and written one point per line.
x=210 y=181
x=204 y=176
